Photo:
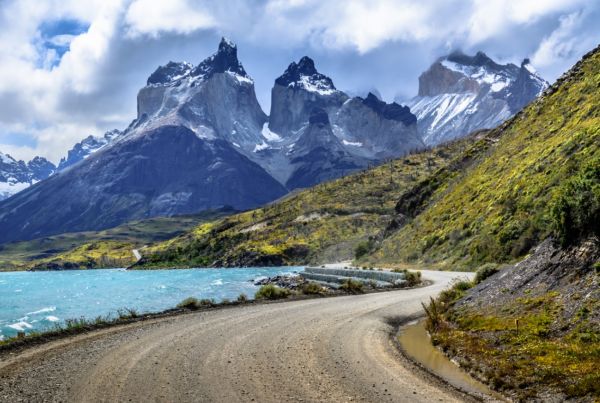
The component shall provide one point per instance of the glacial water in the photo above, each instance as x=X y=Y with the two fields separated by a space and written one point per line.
x=34 y=301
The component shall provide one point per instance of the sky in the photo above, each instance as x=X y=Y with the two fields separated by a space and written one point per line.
x=71 y=68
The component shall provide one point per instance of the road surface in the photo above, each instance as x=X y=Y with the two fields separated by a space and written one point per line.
x=330 y=349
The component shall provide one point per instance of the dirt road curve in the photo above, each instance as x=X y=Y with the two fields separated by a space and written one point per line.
x=333 y=349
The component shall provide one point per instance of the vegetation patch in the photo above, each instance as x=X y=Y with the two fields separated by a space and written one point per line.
x=352 y=286
x=194 y=304
x=271 y=291
x=412 y=277
x=112 y=247
x=311 y=288
x=532 y=339
x=337 y=220
x=485 y=271
x=512 y=188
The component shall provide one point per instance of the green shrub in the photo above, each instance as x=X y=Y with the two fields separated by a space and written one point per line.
x=270 y=291
x=193 y=304
x=207 y=302
x=462 y=285
x=352 y=286
x=312 y=289
x=363 y=248
x=412 y=277
x=575 y=210
x=434 y=314
x=242 y=298
x=485 y=271
x=127 y=313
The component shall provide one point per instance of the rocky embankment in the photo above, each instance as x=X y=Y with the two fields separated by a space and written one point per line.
x=532 y=330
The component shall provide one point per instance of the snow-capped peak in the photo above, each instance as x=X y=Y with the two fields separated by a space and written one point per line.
x=226 y=42
x=88 y=146
x=16 y=175
x=460 y=93
x=223 y=61
x=527 y=65
x=304 y=75
x=7 y=159
x=496 y=80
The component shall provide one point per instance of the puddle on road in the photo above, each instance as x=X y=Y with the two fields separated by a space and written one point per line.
x=416 y=343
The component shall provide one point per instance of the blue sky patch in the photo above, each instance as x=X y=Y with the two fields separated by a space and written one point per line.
x=56 y=38
x=18 y=139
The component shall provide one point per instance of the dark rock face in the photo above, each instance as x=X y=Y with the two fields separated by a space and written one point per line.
x=304 y=70
x=440 y=80
x=391 y=111
x=201 y=140
x=318 y=117
x=167 y=73
x=366 y=130
x=167 y=171
x=459 y=94
x=524 y=88
x=296 y=93
x=318 y=155
x=40 y=168
x=224 y=60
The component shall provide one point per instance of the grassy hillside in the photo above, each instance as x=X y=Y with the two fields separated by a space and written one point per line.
x=487 y=198
x=108 y=248
x=532 y=330
x=325 y=223
x=495 y=211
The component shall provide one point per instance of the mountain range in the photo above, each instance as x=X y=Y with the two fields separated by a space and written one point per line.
x=459 y=94
x=18 y=175
x=201 y=140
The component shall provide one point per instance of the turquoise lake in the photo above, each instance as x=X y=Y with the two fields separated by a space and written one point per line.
x=33 y=301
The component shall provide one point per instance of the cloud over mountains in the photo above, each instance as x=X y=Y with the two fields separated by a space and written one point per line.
x=71 y=68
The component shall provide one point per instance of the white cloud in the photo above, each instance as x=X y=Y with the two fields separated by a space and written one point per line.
x=152 y=17
x=492 y=17
x=367 y=24
x=91 y=88
x=561 y=43
x=361 y=24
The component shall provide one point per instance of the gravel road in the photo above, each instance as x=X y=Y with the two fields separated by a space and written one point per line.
x=331 y=349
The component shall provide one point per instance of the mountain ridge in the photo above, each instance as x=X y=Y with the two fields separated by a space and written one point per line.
x=459 y=94
x=216 y=101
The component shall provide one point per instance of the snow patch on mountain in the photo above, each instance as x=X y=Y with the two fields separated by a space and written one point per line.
x=352 y=143
x=260 y=147
x=240 y=78
x=87 y=147
x=7 y=159
x=312 y=84
x=497 y=82
x=459 y=94
x=16 y=176
x=268 y=134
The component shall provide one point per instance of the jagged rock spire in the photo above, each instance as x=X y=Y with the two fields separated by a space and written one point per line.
x=304 y=75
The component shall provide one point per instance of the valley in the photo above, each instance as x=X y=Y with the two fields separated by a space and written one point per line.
x=489 y=171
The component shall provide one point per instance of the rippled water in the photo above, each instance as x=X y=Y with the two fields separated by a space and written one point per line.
x=38 y=300
x=416 y=343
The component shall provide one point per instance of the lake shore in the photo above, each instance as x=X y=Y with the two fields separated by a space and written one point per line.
x=233 y=345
